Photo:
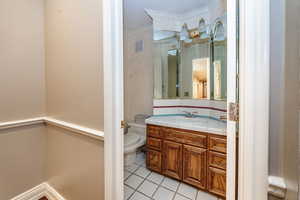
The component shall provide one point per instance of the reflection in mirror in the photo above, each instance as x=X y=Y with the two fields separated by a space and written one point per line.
x=166 y=68
x=219 y=48
x=220 y=70
x=200 y=78
x=173 y=72
x=195 y=58
x=191 y=63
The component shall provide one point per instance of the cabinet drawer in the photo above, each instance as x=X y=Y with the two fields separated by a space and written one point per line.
x=185 y=137
x=217 y=144
x=154 y=143
x=217 y=160
x=217 y=181
x=154 y=160
x=154 y=131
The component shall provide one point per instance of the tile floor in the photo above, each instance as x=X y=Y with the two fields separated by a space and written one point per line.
x=142 y=184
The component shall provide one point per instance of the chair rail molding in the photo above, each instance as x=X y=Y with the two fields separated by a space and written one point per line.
x=96 y=134
x=20 y=123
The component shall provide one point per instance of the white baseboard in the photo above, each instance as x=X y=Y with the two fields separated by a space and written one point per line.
x=42 y=190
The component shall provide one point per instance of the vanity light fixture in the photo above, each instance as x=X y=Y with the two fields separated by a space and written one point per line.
x=219 y=32
x=202 y=26
x=184 y=34
x=203 y=29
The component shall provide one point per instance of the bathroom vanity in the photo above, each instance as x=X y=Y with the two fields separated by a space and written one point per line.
x=186 y=137
x=185 y=150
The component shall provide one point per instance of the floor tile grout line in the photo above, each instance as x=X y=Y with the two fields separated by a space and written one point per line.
x=142 y=164
x=136 y=190
x=158 y=186
x=187 y=197
x=145 y=179
x=176 y=190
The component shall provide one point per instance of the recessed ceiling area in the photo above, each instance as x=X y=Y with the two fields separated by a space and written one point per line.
x=135 y=15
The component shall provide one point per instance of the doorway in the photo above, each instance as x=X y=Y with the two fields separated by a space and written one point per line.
x=113 y=37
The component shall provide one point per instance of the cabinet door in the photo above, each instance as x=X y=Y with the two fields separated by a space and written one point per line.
x=194 y=166
x=172 y=159
x=154 y=160
x=217 y=181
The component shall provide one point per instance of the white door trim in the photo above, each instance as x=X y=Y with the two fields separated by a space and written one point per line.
x=254 y=99
x=231 y=97
x=113 y=97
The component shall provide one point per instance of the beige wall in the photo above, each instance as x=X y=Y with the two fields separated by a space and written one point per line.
x=138 y=73
x=22 y=158
x=75 y=165
x=291 y=106
x=74 y=61
x=74 y=94
x=276 y=136
x=22 y=59
x=22 y=94
x=285 y=85
x=71 y=52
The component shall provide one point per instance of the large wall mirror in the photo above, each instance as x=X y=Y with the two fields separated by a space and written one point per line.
x=191 y=63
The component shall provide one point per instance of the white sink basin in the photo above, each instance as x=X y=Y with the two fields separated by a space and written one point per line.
x=195 y=124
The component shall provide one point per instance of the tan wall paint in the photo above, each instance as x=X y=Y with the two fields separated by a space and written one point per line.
x=74 y=62
x=75 y=165
x=22 y=94
x=138 y=73
x=276 y=135
x=74 y=94
x=22 y=158
x=291 y=106
x=22 y=79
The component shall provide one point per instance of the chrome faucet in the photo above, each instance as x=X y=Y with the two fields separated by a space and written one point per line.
x=190 y=114
x=223 y=117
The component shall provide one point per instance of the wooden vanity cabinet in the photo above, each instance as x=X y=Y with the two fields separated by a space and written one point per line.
x=154 y=160
x=196 y=158
x=172 y=159
x=194 y=166
x=217 y=181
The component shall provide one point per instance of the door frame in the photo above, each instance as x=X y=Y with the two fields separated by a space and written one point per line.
x=254 y=55
x=254 y=99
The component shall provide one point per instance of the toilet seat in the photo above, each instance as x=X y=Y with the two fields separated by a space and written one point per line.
x=131 y=139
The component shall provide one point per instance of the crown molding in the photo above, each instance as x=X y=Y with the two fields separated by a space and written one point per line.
x=165 y=21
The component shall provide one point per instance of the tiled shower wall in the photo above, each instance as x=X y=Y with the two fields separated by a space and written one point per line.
x=206 y=108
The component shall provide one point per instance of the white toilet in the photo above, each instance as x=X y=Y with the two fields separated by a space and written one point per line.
x=133 y=140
